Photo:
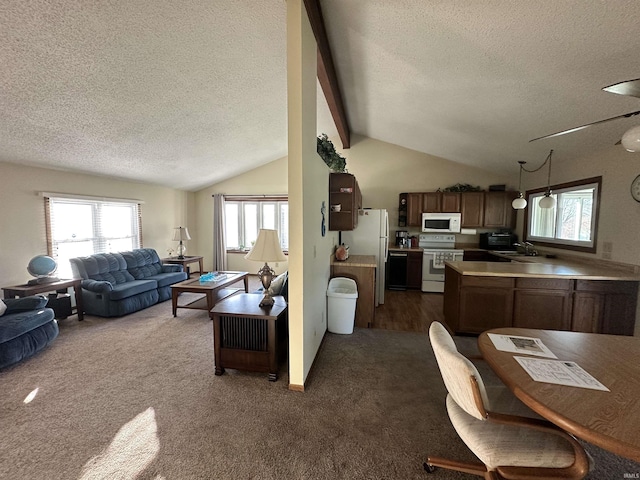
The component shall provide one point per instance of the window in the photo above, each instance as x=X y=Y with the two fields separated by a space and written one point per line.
x=80 y=226
x=245 y=216
x=573 y=222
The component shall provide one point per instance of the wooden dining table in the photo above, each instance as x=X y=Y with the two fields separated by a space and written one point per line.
x=610 y=420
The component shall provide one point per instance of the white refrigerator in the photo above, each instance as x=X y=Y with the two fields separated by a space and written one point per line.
x=371 y=237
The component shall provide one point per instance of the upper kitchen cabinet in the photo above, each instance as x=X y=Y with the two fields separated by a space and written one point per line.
x=431 y=202
x=472 y=209
x=345 y=192
x=414 y=209
x=498 y=212
x=450 y=202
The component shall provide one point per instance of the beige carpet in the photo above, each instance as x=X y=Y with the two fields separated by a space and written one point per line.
x=136 y=397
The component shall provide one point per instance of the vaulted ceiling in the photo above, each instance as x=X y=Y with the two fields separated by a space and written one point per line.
x=186 y=94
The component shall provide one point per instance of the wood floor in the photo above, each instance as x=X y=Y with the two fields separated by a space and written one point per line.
x=409 y=310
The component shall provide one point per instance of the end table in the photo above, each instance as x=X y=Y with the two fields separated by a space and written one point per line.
x=57 y=286
x=185 y=263
x=249 y=337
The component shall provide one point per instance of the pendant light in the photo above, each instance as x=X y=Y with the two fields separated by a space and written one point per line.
x=547 y=201
x=519 y=203
x=631 y=139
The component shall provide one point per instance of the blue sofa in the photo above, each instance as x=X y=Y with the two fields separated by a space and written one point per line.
x=26 y=327
x=116 y=284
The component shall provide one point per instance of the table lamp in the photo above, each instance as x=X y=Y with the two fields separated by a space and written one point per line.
x=180 y=234
x=266 y=249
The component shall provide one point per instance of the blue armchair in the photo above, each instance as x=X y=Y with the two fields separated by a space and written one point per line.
x=26 y=327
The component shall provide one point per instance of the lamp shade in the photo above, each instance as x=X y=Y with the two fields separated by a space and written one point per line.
x=547 y=202
x=267 y=248
x=180 y=234
x=519 y=203
x=631 y=139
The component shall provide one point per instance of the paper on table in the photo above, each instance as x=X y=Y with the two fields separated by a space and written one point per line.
x=559 y=372
x=517 y=344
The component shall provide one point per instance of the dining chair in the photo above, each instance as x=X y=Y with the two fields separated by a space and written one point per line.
x=509 y=443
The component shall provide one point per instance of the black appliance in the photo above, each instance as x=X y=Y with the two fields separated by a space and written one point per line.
x=402 y=239
x=498 y=241
x=397 y=271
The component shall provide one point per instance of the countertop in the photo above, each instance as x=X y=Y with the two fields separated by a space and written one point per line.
x=405 y=249
x=356 y=261
x=542 y=267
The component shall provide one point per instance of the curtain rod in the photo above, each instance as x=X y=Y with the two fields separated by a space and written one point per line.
x=236 y=197
x=88 y=197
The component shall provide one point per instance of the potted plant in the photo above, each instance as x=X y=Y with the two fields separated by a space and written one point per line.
x=326 y=150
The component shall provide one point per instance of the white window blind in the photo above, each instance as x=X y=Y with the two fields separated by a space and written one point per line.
x=83 y=226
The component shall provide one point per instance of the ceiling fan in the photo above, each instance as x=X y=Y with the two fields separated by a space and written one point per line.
x=631 y=139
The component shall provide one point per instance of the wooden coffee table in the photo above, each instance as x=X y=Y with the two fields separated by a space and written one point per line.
x=213 y=291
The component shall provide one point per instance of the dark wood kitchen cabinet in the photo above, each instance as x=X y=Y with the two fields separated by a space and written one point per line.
x=605 y=307
x=450 y=202
x=436 y=202
x=473 y=304
x=414 y=270
x=542 y=303
x=472 y=209
x=344 y=191
x=498 y=212
x=414 y=209
x=431 y=202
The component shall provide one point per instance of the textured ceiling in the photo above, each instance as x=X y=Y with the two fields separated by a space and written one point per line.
x=186 y=94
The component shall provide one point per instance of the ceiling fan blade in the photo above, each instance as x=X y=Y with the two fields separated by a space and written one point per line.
x=630 y=87
x=575 y=129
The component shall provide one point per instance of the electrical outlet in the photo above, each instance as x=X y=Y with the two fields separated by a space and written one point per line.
x=606 y=255
x=607 y=247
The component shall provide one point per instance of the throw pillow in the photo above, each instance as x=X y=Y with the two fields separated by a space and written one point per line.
x=3 y=307
x=276 y=286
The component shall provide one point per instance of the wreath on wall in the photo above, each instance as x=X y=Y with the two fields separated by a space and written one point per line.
x=327 y=151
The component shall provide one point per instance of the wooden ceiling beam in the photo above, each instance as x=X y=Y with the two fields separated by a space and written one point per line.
x=327 y=72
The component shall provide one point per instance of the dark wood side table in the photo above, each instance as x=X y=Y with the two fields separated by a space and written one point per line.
x=185 y=263
x=249 y=337
x=61 y=286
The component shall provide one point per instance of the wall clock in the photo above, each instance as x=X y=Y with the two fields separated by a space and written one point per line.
x=635 y=189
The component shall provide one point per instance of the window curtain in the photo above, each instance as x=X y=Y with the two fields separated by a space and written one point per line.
x=219 y=244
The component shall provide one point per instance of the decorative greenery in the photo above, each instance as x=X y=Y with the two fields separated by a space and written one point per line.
x=462 y=187
x=327 y=151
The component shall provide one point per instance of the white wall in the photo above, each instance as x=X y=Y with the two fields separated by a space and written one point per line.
x=22 y=224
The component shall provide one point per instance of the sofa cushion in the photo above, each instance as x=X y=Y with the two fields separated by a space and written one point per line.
x=276 y=286
x=23 y=304
x=109 y=267
x=15 y=324
x=168 y=278
x=142 y=263
x=129 y=289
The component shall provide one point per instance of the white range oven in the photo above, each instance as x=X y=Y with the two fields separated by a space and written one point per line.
x=437 y=249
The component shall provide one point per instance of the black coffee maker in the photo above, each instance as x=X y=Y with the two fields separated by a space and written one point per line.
x=402 y=239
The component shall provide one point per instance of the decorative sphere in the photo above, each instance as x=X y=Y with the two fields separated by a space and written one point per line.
x=42 y=266
x=631 y=139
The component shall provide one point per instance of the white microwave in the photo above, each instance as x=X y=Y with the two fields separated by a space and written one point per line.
x=441 y=222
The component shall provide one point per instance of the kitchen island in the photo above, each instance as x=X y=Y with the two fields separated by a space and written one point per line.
x=540 y=292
